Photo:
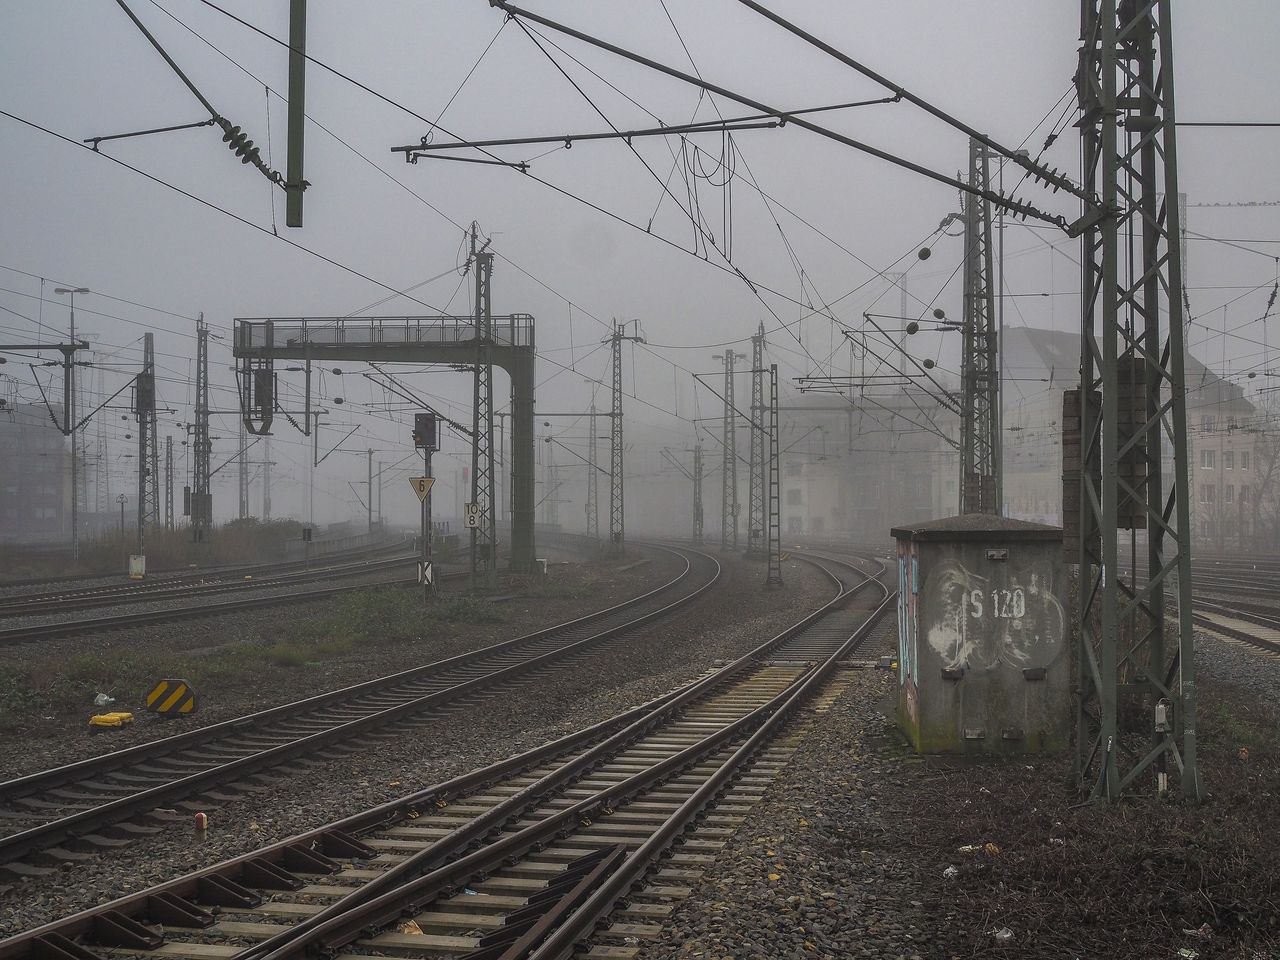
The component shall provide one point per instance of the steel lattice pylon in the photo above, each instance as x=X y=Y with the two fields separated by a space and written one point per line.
x=980 y=468
x=774 y=577
x=168 y=483
x=242 y=471
x=148 y=452
x=484 y=538
x=729 y=464
x=757 y=536
x=593 y=479
x=201 y=500
x=1132 y=396
x=697 y=494
x=617 y=532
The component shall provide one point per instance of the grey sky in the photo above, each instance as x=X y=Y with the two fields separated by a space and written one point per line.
x=82 y=69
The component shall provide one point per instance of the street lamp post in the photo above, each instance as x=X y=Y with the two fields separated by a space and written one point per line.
x=122 y=500
x=70 y=400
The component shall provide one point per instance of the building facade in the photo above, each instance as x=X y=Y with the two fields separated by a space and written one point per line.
x=35 y=488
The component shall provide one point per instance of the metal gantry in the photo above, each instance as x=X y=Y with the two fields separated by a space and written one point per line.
x=484 y=537
x=980 y=456
x=617 y=532
x=1136 y=716
x=758 y=469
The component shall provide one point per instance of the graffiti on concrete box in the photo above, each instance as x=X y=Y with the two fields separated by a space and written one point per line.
x=981 y=623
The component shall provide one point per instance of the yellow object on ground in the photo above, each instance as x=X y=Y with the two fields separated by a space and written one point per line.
x=116 y=719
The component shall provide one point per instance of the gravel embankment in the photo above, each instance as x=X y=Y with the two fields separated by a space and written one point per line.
x=49 y=737
x=1234 y=662
x=246 y=590
x=856 y=849
x=736 y=617
x=798 y=878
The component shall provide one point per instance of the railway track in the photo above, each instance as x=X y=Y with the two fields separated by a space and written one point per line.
x=528 y=857
x=31 y=633
x=181 y=574
x=58 y=814
x=182 y=587
x=1256 y=625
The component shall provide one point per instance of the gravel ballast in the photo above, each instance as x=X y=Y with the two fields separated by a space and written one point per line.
x=48 y=736
x=859 y=848
x=732 y=620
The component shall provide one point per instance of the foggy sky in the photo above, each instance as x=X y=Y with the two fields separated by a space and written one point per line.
x=82 y=69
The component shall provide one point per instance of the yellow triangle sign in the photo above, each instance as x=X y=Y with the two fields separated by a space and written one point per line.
x=421 y=486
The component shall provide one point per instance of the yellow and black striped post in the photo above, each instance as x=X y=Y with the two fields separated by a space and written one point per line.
x=172 y=698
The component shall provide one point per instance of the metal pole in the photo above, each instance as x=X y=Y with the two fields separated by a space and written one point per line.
x=266 y=482
x=980 y=482
x=168 y=483
x=369 y=495
x=426 y=521
x=758 y=469
x=484 y=538
x=70 y=391
x=697 y=494
x=774 y=576
x=1132 y=396
x=294 y=184
x=593 y=481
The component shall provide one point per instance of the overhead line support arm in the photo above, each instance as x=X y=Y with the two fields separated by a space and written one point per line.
x=1044 y=174
x=1013 y=206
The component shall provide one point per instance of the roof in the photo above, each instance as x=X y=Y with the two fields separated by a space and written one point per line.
x=977 y=526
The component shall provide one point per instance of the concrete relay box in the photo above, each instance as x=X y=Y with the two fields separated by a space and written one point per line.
x=982 y=636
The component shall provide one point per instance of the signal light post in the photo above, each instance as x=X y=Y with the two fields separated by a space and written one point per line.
x=426 y=439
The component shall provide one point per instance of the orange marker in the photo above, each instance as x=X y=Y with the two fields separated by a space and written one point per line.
x=202 y=821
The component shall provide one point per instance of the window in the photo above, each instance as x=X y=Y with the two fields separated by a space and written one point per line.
x=1228 y=494
x=1206 y=459
x=1244 y=459
x=1208 y=494
x=793 y=498
x=1206 y=422
x=1244 y=494
x=1228 y=460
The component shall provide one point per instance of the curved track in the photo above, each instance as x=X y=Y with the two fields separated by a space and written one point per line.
x=523 y=858
x=77 y=803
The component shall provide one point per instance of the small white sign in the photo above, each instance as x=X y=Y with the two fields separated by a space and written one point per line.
x=426 y=575
x=137 y=566
x=471 y=515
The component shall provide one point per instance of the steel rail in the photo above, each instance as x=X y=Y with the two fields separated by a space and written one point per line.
x=561 y=942
x=269 y=867
x=321 y=838
x=176 y=573
x=160 y=591
x=438 y=854
x=353 y=916
x=71 y=628
x=24 y=843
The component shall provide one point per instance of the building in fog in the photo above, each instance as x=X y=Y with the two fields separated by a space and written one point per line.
x=853 y=468
x=1230 y=489
x=35 y=474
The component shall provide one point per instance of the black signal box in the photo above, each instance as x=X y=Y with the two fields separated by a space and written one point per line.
x=424 y=431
